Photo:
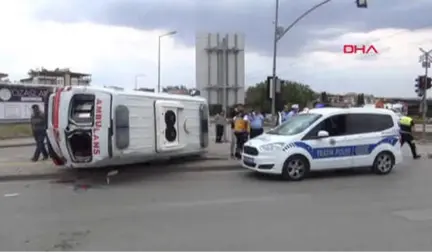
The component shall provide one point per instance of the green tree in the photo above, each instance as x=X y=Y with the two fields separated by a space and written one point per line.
x=360 y=100
x=291 y=92
x=324 y=97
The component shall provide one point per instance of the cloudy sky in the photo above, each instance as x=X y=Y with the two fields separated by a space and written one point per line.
x=116 y=40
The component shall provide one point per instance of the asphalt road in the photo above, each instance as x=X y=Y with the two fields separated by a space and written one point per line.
x=233 y=210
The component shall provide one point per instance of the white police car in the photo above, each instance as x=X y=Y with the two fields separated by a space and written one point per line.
x=327 y=138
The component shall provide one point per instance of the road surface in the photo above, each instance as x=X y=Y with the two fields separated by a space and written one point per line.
x=233 y=210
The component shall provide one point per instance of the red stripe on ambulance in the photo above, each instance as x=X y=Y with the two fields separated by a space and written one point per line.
x=97 y=127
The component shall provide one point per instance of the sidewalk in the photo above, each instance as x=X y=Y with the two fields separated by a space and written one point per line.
x=425 y=149
x=15 y=164
x=17 y=142
x=46 y=170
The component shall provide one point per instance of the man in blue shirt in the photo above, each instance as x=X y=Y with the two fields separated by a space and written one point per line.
x=294 y=111
x=256 y=120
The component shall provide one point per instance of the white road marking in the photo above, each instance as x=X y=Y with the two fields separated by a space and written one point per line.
x=415 y=215
x=228 y=201
x=11 y=194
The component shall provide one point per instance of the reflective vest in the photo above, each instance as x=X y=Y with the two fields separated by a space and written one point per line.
x=405 y=125
x=240 y=124
x=405 y=121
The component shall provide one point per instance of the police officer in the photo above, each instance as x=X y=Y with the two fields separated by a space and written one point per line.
x=38 y=124
x=406 y=124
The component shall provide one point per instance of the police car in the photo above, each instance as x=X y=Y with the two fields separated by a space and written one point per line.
x=327 y=139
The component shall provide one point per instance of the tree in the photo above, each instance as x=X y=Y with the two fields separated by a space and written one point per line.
x=291 y=92
x=360 y=100
x=324 y=97
x=175 y=88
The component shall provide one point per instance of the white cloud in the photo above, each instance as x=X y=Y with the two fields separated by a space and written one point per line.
x=115 y=55
x=391 y=72
x=111 y=54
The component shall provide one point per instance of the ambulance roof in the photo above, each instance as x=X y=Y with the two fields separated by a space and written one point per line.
x=143 y=93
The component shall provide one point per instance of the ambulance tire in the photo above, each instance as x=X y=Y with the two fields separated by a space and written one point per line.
x=383 y=163
x=53 y=155
x=296 y=168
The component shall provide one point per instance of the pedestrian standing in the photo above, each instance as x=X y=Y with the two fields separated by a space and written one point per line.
x=38 y=124
x=220 y=122
x=256 y=124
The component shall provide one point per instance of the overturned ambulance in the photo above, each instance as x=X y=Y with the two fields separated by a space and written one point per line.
x=96 y=127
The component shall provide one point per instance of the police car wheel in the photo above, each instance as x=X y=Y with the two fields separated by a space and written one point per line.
x=383 y=163
x=295 y=168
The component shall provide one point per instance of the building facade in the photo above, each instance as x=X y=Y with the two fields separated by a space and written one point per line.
x=57 y=77
x=3 y=77
x=349 y=99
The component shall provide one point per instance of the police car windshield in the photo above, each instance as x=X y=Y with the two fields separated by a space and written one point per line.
x=295 y=124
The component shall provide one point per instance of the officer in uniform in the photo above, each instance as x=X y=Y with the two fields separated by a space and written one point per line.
x=406 y=124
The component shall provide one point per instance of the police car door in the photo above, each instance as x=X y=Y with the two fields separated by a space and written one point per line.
x=330 y=152
x=366 y=131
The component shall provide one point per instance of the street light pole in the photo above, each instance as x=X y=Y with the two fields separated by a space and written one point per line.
x=136 y=79
x=279 y=32
x=273 y=80
x=159 y=56
x=425 y=59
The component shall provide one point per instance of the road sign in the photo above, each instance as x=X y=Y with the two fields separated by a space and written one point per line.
x=424 y=51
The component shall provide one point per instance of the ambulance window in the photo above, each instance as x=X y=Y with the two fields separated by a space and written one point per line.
x=122 y=127
x=82 y=109
x=203 y=114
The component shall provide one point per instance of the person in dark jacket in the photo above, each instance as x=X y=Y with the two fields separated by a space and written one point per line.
x=38 y=124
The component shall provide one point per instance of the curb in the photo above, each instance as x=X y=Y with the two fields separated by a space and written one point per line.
x=58 y=174
x=4 y=146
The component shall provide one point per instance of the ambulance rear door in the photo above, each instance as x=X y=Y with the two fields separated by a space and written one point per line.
x=102 y=132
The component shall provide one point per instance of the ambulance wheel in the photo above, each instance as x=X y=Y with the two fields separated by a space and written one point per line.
x=384 y=163
x=295 y=168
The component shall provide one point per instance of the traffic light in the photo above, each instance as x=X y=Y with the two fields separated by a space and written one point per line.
x=361 y=3
x=428 y=82
x=419 y=86
x=422 y=84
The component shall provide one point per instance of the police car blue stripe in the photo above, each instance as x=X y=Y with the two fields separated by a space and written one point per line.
x=344 y=151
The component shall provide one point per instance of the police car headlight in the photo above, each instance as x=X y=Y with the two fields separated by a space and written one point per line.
x=271 y=147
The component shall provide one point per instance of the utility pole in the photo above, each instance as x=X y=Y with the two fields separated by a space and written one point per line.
x=159 y=57
x=273 y=80
x=426 y=60
x=279 y=32
x=224 y=69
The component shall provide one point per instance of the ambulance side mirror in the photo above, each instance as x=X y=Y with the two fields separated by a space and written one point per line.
x=323 y=134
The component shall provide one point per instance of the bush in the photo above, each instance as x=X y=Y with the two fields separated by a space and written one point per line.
x=8 y=131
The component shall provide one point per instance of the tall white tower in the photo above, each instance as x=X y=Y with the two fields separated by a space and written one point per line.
x=220 y=68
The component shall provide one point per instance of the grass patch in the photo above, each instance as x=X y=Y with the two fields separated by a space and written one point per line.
x=9 y=131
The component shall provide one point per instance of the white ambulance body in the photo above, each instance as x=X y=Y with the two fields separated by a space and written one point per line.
x=97 y=127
